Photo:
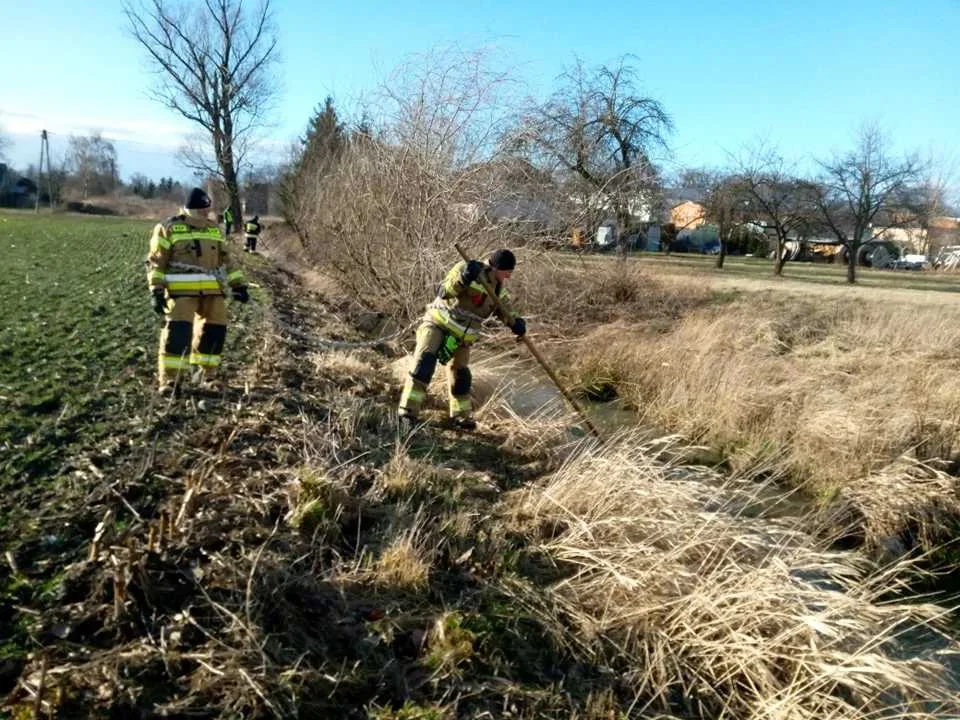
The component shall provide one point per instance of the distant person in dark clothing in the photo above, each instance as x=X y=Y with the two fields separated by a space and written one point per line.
x=252 y=231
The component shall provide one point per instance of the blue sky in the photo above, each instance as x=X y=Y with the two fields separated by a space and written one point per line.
x=804 y=75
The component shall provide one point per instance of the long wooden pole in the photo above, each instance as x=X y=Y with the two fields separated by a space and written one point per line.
x=568 y=396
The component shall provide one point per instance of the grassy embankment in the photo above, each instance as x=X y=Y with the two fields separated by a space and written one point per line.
x=851 y=394
x=279 y=554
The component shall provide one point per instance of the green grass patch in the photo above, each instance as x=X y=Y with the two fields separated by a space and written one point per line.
x=79 y=341
x=808 y=273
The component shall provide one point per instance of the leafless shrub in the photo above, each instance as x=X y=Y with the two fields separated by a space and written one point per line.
x=384 y=217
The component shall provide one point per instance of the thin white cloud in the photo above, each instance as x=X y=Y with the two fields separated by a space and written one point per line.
x=146 y=132
x=149 y=135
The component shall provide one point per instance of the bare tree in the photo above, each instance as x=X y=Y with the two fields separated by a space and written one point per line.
x=856 y=187
x=4 y=144
x=726 y=205
x=599 y=129
x=777 y=197
x=92 y=159
x=213 y=63
x=929 y=200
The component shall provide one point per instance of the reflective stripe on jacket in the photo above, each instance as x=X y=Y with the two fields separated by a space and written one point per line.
x=461 y=309
x=440 y=315
x=178 y=283
x=188 y=256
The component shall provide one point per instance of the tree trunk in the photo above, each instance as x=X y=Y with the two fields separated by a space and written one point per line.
x=852 y=252
x=232 y=188
x=623 y=218
x=223 y=147
x=781 y=256
x=721 y=256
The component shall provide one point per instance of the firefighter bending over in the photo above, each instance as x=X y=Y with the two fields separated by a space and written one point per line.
x=190 y=270
x=448 y=329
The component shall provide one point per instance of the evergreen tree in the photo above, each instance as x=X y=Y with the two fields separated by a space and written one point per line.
x=325 y=137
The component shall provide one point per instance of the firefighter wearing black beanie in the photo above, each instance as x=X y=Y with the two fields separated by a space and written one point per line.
x=503 y=260
x=448 y=329
x=197 y=199
x=191 y=274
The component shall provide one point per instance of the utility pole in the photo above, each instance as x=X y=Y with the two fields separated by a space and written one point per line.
x=44 y=151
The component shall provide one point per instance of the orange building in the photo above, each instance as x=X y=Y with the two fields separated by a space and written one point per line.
x=688 y=215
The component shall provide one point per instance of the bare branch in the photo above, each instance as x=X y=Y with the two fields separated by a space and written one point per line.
x=213 y=63
x=780 y=199
x=598 y=130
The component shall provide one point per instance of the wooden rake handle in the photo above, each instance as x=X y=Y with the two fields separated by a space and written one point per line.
x=568 y=396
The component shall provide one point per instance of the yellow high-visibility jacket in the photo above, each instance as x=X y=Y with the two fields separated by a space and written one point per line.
x=189 y=256
x=461 y=309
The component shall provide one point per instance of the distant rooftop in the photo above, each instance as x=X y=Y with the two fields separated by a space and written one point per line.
x=675 y=196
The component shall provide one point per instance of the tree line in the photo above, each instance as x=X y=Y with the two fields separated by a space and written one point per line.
x=445 y=149
x=88 y=168
x=588 y=152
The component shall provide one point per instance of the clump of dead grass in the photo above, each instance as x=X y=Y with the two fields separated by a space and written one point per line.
x=832 y=392
x=561 y=293
x=404 y=475
x=721 y=614
x=405 y=561
x=353 y=365
x=906 y=504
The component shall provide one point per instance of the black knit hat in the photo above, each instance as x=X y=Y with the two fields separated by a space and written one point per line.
x=502 y=260
x=197 y=199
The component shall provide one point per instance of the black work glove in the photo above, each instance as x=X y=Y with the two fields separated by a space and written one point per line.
x=519 y=327
x=159 y=301
x=240 y=294
x=471 y=271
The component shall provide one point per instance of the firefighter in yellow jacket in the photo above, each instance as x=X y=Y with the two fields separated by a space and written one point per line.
x=190 y=270
x=448 y=329
x=251 y=232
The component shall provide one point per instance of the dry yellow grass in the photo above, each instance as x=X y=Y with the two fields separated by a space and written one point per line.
x=562 y=295
x=727 y=615
x=404 y=563
x=403 y=474
x=827 y=394
x=345 y=364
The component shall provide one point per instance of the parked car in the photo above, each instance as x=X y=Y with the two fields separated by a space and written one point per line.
x=711 y=248
x=911 y=262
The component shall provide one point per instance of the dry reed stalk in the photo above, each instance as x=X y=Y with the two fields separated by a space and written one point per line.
x=744 y=617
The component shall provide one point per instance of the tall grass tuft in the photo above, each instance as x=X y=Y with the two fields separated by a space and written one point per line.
x=703 y=608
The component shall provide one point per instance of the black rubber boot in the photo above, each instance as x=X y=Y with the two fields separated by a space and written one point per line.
x=407 y=424
x=462 y=422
